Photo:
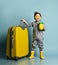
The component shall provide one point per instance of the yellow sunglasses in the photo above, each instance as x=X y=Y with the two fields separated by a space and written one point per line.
x=37 y=17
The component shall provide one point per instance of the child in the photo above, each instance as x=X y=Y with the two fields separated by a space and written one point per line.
x=37 y=34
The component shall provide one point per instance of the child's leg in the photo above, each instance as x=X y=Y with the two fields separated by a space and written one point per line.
x=40 y=45
x=34 y=44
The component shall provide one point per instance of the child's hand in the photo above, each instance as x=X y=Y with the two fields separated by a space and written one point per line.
x=23 y=20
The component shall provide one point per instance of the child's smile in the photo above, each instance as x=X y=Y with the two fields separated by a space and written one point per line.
x=37 y=17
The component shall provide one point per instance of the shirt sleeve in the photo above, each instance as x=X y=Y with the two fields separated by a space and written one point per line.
x=31 y=24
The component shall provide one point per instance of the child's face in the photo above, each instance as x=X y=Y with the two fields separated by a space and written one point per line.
x=37 y=17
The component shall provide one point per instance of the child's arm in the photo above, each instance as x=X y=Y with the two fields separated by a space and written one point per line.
x=25 y=22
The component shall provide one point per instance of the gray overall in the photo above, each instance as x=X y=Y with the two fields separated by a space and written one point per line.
x=37 y=36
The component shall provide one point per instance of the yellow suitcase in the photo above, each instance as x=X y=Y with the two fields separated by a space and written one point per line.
x=17 y=42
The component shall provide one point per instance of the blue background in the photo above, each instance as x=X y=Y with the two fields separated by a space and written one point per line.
x=11 y=11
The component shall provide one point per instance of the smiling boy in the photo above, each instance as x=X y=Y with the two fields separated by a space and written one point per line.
x=38 y=29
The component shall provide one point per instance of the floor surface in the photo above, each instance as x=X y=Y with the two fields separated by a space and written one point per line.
x=49 y=60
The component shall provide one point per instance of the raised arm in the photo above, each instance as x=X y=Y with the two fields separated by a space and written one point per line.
x=25 y=22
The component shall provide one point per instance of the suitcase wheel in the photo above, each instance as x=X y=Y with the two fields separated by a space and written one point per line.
x=7 y=57
x=16 y=59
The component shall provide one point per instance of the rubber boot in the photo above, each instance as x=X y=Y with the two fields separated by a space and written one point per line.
x=41 y=55
x=32 y=55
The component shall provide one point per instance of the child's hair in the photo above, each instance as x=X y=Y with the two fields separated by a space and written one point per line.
x=37 y=13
